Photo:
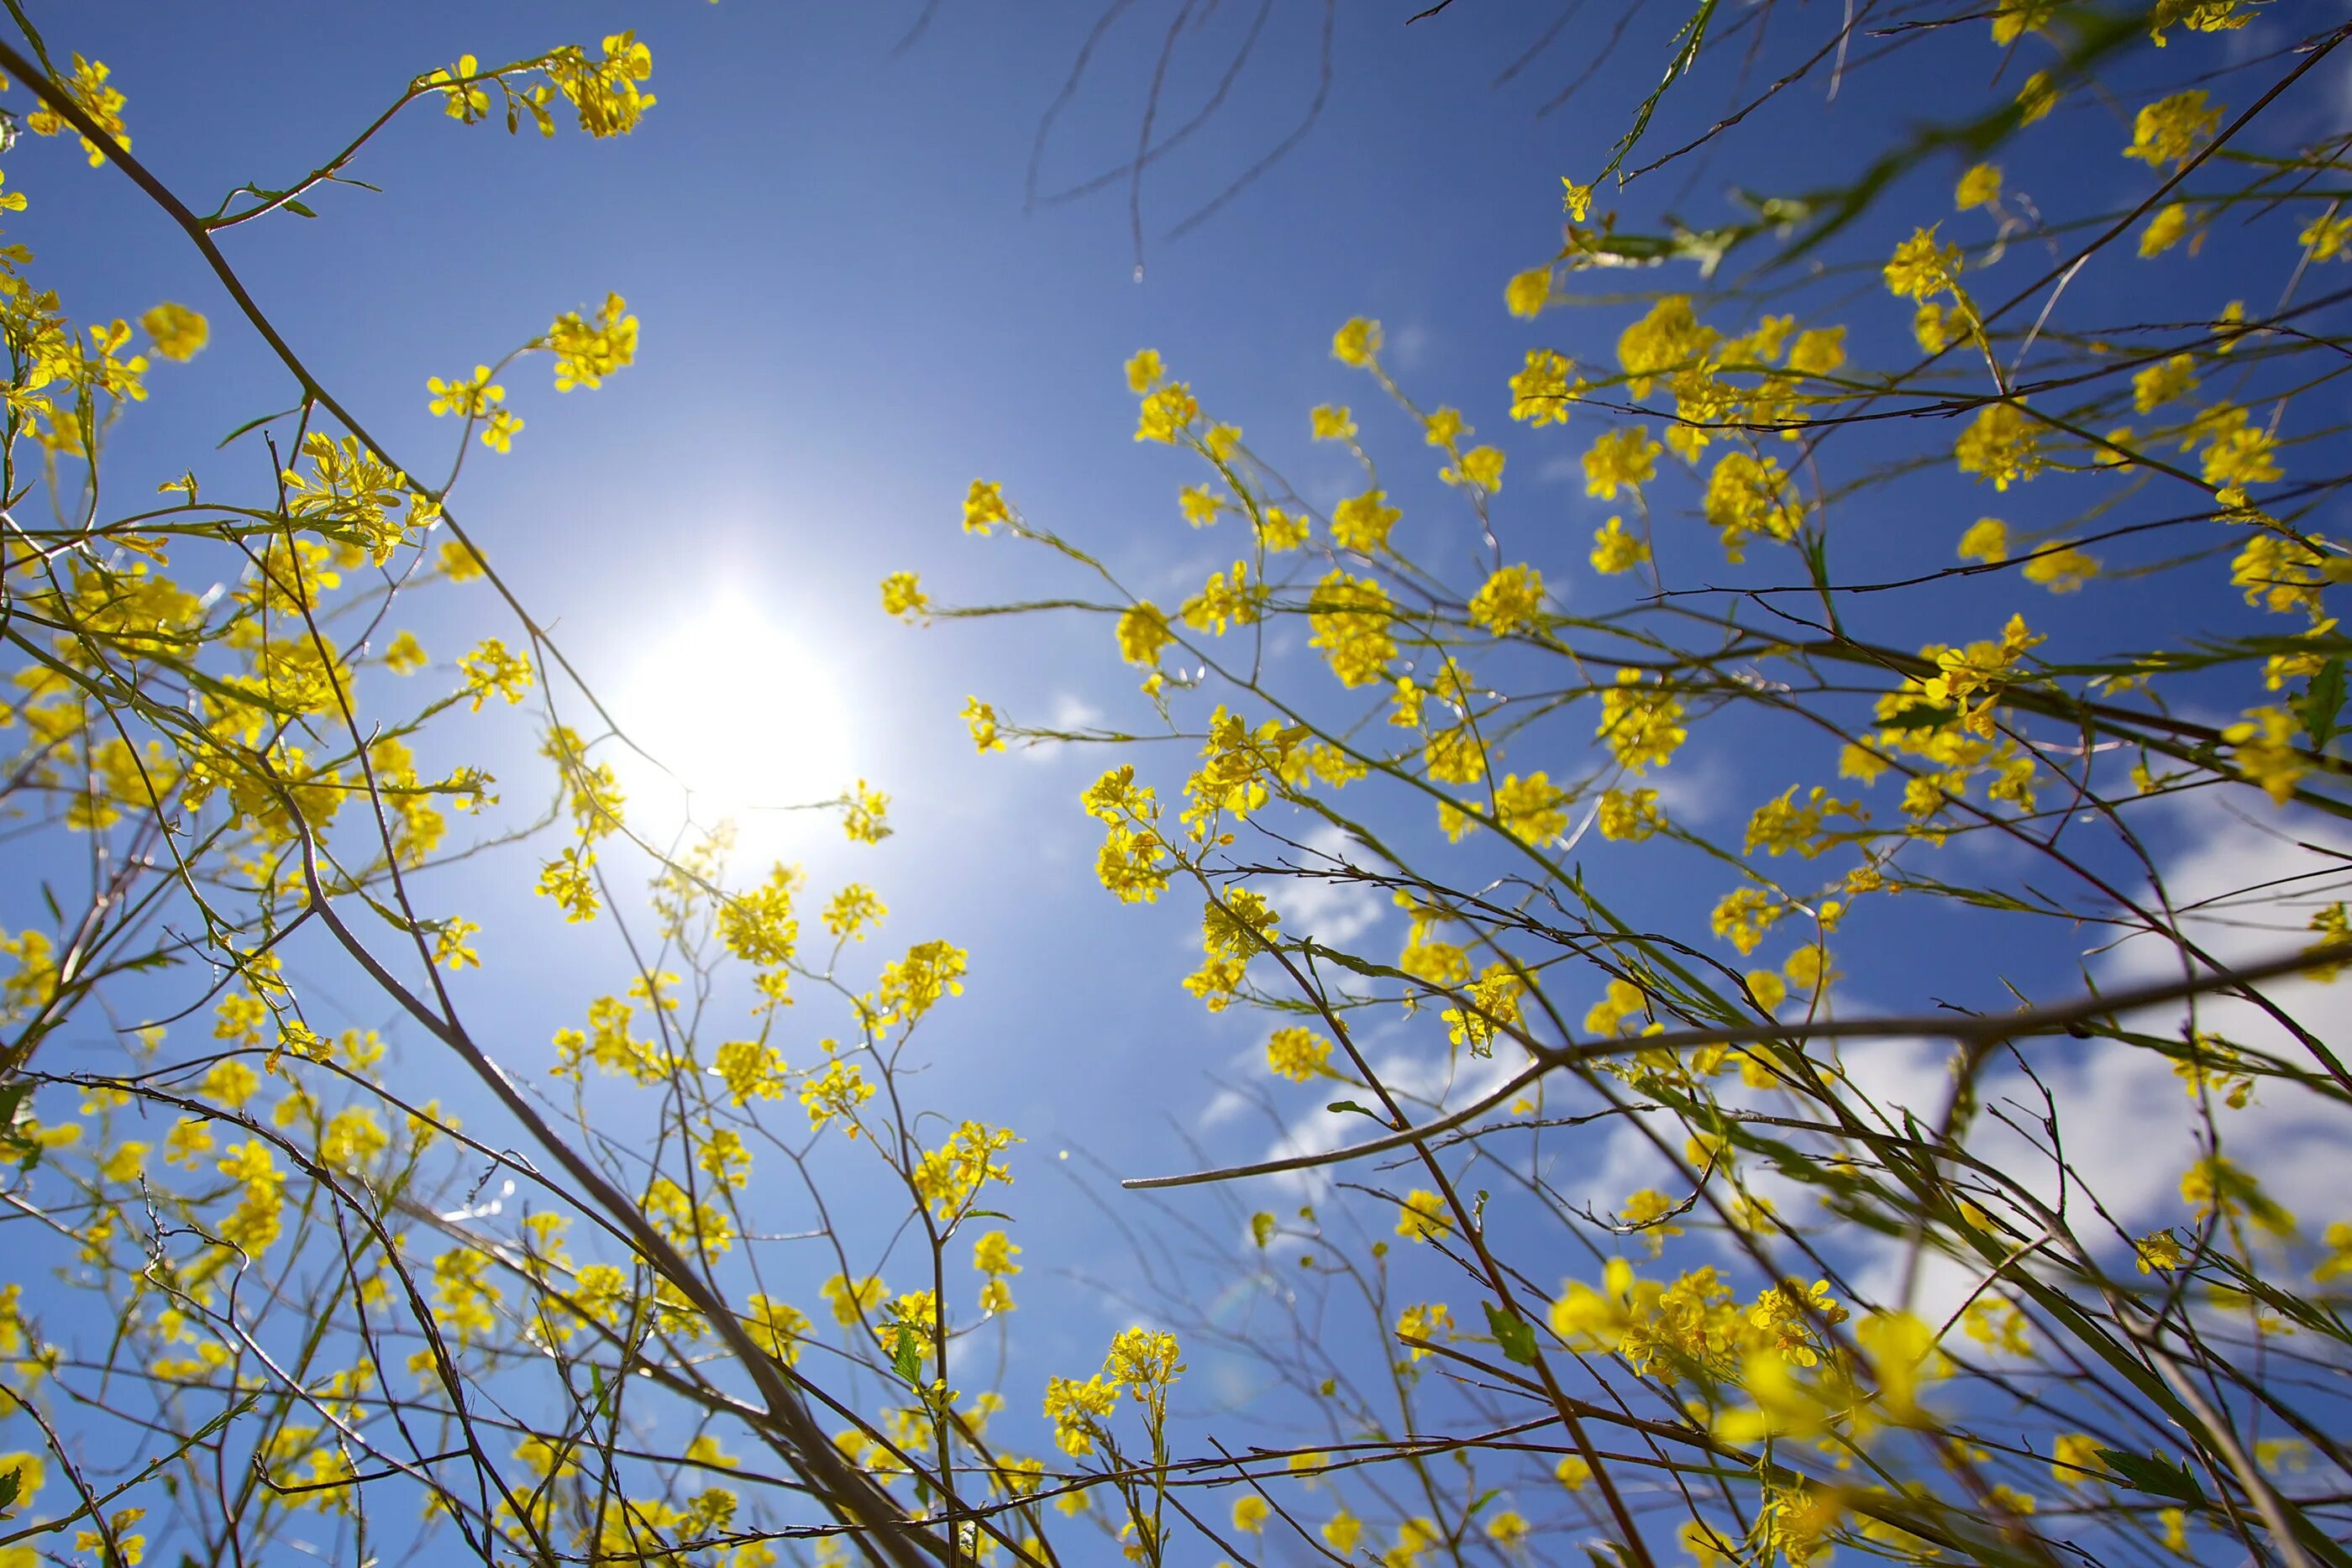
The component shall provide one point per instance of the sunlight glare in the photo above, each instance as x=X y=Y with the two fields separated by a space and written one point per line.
x=745 y=720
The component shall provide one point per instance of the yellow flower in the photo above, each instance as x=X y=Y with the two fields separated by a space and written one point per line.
x=587 y=351
x=2061 y=569
x=2013 y=18
x=1936 y=328
x=1987 y=540
x=2075 y=1459
x=2036 y=98
x=603 y=93
x=1423 y=1216
x=1144 y=371
x=490 y=668
x=1279 y=531
x=86 y=85
x=1350 y=618
x=1144 y=1361
x=862 y=818
x=457 y=562
x=984 y=504
x=1627 y=458
x=1748 y=496
x=407 y=655
x=471 y=397
x=1525 y=295
x=2171 y=130
x=776 y=1327
x=2164 y=230
x=2264 y=748
x=2218 y=1185
x=566 y=880
x=176 y=331
x=1818 y=351
x=1166 y=413
x=2239 y=455
x=30 y=1469
x=1744 y=916
x=1531 y=809
x=1980 y=187
x=2198 y=16
x=1297 y=1054
x=2155 y=385
x=1424 y=1322
x=2325 y=236
x=750 y=1069
x=1541 y=394
x=852 y=1304
x=1481 y=466
x=1076 y=1409
x=1333 y=422
x=1142 y=633
x=902 y=595
x=1511 y=601
x=1575 y=200
x=1630 y=814
x=1641 y=724
x=1921 y=269
x=1670 y=338
x=982 y=718
x=1357 y=342
x=1249 y=1513
x=2002 y=444
x=1343 y=1530
x=2337 y=1240
x=1614 y=550
x=1363 y=522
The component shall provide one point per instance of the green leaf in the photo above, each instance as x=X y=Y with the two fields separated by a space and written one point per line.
x=600 y=1395
x=1687 y=43
x=2322 y=702
x=11 y=1487
x=1512 y=1332
x=1922 y=716
x=298 y=208
x=1358 y=1110
x=2154 y=1473
x=252 y=425
x=907 y=1355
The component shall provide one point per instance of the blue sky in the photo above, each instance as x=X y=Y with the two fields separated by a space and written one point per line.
x=847 y=314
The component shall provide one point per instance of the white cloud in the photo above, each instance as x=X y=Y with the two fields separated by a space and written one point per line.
x=1329 y=908
x=1559 y=470
x=2128 y=1126
x=1072 y=711
x=1067 y=712
x=1408 y=347
x=1419 y=1073
x=1222 y=1107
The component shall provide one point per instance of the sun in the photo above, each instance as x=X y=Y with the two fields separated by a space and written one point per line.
x=736 y=721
